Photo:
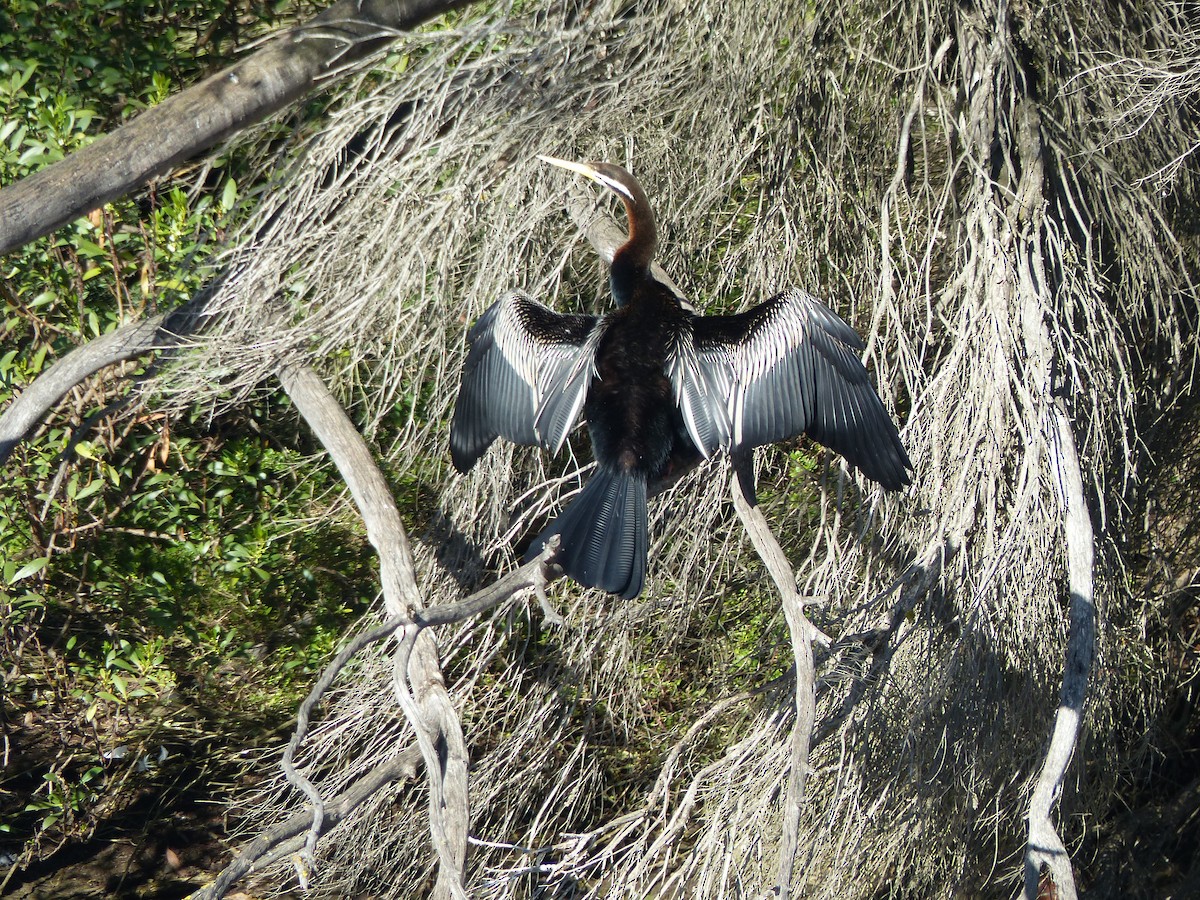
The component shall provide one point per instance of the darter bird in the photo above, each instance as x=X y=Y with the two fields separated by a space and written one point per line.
x=660 y=388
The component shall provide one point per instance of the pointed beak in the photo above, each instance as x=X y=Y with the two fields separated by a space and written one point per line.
x=587 y=171
x=578 y=168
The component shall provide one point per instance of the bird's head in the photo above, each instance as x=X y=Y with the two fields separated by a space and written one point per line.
x=610 y=175
x=631 y=261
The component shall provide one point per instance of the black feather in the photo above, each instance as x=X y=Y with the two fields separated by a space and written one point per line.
x=603 y=534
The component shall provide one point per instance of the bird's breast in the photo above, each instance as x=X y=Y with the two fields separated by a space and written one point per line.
x=631 y=407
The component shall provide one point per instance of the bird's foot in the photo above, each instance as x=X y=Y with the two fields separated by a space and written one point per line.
x=548 y=572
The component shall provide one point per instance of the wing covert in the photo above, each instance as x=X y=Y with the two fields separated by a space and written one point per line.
x=525 y=378
x=702 y=384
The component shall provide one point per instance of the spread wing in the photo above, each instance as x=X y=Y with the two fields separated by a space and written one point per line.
x=788 y=366
x=525 y=379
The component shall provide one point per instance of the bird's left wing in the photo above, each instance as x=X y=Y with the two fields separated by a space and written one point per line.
x=525 y=378
x=793 y=366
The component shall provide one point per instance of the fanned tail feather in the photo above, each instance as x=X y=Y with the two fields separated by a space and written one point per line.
x=603 y=534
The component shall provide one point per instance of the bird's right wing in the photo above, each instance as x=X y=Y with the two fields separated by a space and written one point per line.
x=525 y=379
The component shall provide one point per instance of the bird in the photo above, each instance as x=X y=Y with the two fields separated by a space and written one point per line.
x=661 y=388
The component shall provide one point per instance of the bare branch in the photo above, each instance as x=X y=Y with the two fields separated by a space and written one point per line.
x=127 y=342
x=534 y=574
x=303 y=716
x=803 y=633
x=1045 y=847
x=289 y=835
x=428 y=706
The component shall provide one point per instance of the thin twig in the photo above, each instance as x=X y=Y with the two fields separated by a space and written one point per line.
x=288 y=835
x=331 y=672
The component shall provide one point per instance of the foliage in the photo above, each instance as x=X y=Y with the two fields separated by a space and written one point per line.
x=147 y=560
x=938 y=172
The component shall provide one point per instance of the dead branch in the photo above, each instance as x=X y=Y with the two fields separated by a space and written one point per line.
x=130 y=341
x=1045 y=847
x=302 y=831
x=291 y=835
x=1039 y=239
x=803 y=633
x=303 y=717
x=427 y=706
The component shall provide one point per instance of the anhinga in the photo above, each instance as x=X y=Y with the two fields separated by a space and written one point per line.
x=659 y=388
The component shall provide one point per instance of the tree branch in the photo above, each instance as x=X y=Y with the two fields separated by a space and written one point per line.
x=287 y=835
x=427 y=706
x=1045 y=847
x=127 y=342
x=803 y=633
x=194 y=120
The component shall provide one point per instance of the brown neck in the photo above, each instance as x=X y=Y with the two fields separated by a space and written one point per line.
x=631 y=261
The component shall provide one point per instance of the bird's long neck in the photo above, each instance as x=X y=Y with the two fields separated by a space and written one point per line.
x=631 y=261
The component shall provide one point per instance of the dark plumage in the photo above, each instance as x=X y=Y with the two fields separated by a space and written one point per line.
x=660 y=388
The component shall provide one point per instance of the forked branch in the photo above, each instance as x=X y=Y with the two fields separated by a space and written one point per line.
x=299 y=833
x=421 y=688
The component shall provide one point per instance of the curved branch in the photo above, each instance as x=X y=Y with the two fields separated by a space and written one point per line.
x=288 y=835
x=1045 y=847
x=303 y=717
x=284 y=838
x=803 y=633
x=431 y=713
x=187 y=124
x=127 y=342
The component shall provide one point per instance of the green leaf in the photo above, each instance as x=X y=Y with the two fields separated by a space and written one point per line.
x=22 y=76
x=91 y=488
x=36 y=151
x=229 y=195
x=39 y=359
x=30 y=568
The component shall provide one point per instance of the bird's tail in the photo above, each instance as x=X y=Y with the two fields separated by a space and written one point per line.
x=603 y=533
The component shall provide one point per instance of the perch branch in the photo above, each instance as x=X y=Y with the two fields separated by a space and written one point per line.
x=803 y=633
x=1045 y=847
x=534 y=574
